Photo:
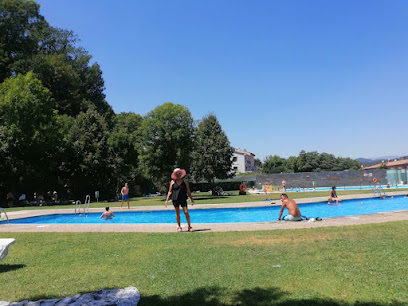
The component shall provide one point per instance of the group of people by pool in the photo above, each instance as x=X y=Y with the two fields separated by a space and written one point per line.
x=179 y=192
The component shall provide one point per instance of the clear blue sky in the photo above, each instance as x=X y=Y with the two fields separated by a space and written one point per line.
x=281 y=76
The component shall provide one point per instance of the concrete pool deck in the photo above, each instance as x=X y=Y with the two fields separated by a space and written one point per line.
x=202 y=227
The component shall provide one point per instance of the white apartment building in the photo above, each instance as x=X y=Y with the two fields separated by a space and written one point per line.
x=243 y=161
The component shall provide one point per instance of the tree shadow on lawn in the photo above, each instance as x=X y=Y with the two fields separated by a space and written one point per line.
x=7 y=268
x=210 y=296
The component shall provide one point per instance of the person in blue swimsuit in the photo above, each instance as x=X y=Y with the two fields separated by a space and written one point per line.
x=179 y=190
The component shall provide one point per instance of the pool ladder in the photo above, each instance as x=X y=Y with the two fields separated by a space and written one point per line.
x=86 y=206
x=378 y=191
x=1 y=208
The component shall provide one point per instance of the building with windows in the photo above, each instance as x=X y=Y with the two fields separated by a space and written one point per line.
x=243 y=161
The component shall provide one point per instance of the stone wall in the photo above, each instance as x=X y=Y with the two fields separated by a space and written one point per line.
x=324 y=179
x=306 y=179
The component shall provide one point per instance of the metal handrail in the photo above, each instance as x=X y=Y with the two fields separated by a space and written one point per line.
x=87 y=203
x=378 y=189
x=1 y=208
x=78 y=203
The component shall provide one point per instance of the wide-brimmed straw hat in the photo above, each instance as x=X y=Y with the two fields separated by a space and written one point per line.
x=178 y=170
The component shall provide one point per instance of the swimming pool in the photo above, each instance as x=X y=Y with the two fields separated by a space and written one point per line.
x=228 y=215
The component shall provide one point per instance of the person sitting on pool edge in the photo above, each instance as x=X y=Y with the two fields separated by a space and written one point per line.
x=292 y=207
x=333 y=196
x=107 y=214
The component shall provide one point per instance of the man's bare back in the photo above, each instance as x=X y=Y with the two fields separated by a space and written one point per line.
x=107 y=214
x=291 y=206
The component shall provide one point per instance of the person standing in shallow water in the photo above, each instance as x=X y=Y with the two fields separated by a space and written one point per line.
x=178 y=190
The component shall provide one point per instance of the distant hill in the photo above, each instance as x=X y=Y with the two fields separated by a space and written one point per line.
x=375 y=160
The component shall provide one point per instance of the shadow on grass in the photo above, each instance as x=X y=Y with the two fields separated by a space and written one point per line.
x=256 y=296
x=7 y=268
x=214 y=296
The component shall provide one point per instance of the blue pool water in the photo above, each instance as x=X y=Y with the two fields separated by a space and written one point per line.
x=230 y=215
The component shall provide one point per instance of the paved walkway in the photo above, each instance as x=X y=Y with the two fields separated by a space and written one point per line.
x=203 y=227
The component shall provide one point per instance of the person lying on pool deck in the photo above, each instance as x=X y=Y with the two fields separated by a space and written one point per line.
x=107 y=214
x=292 y=207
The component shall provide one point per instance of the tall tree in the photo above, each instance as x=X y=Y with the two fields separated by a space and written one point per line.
x=258 y=165
x=20 y=27
x=29 y=43
x=327 y=162
x=308 y=161
x=212 y=155
x=167 y=142
x=90 y=164
x=30 y=134
x=291 y=164
x=124 y=143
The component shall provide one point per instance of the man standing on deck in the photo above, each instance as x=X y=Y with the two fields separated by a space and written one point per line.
x=284 y=185
x=125 y=195
x=293 y=209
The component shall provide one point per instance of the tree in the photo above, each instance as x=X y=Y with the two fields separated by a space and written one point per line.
x=30 y=134
x=291 y=164
x=20 y=25
x=90 y=165
x=124 y=144
x=212 y=154
x=258 y=165
x=167 y=142
x=274 y=164
x=308 y=161
x=29 y=43
x=327 y=162
x=347 y=163
x=74 y=84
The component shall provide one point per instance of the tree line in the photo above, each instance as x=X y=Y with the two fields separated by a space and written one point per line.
x=306 y=162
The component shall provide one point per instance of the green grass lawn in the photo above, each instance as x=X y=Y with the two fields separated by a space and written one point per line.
x=206 y=198
x=364 y=265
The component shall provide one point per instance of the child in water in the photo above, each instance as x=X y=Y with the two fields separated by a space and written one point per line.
x=107 y=214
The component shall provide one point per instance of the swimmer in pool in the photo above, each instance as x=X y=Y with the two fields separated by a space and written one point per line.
x=107 y=214
x=292 y=207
